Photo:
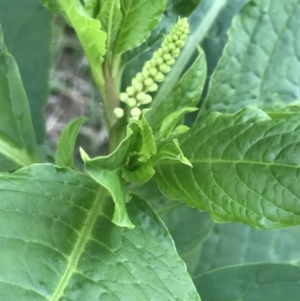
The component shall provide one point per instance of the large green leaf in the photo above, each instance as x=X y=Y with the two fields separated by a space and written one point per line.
x=185 y=94
x=188 y=227
x=216 y=38
x=260 y=65
x=27 y=30
x=233 y=243
x=58 y=243
x=257 y=282
x=139 y=18
x=17 y=138
x=245 y=168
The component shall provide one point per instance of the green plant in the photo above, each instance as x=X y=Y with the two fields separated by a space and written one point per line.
x=108 y=232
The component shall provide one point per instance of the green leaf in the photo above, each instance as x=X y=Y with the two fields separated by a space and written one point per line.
x=54 y=6
x=140 y=175
x=254 y=70
x=169 y=123
x=168 y=19
x=188 y=227
x=17 y=138
x=61 y=244
x=111 y=18
x=92 y=7
x=281 y=111
x=232 y=244
x=216 y=38
x=183 y=95
x=245 y=169
x=27 y=28
x=65 y=149
x=112 y=180
x=139 y=18
x=90 y=35
x=170 y=151
x=257 y=282
x=182 y=8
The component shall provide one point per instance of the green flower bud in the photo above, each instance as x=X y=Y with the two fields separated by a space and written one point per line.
x=148 y=82
x=134 y=81
x=153 y=88
x=165 y=48
x=176 y=52
x=160 y=52
x=155 y=55
x=164 y=68
x=124 y=96
x=145 y=73
x=139 y=77
x=153 y=72
x=147 y=99
x=175 y=37
x=159 y=77
x=171 y=46
x=141 y=96
x=130 y=91
x=131 y=102
x=183 y=37
x=138 y=87
x=170 y=62
x=119 y=112
x=179 y=43
x=181 y=29
x=148 y=65
x=135 y=112
x=167 y=56
x=159 y=61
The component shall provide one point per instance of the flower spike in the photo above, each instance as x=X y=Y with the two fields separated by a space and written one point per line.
x=154 y=70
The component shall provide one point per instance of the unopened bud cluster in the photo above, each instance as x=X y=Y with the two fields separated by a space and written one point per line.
x=154 y=70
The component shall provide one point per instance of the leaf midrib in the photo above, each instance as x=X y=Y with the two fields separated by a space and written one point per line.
x=85 y=235
x=242 y=162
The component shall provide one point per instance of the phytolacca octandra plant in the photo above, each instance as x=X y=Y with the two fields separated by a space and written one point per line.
x=154 y=70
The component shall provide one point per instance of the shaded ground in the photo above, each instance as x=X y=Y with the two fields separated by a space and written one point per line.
x=73 y=94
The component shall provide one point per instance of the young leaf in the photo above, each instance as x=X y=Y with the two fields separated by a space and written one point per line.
x=65 y=148
x=169 y=123
x=89 y=32
x=17 y=138
x=257 y=71
x=111 y=17
x=257 y=282
x=140 y=175
x=169 y=17
x=92 y=7
x=32 y=52
x=59 y=220
x=233 y=244
x=185 y=94
x=139 y=18
x=245 y=169
x=170 y=151
x=107 y=172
